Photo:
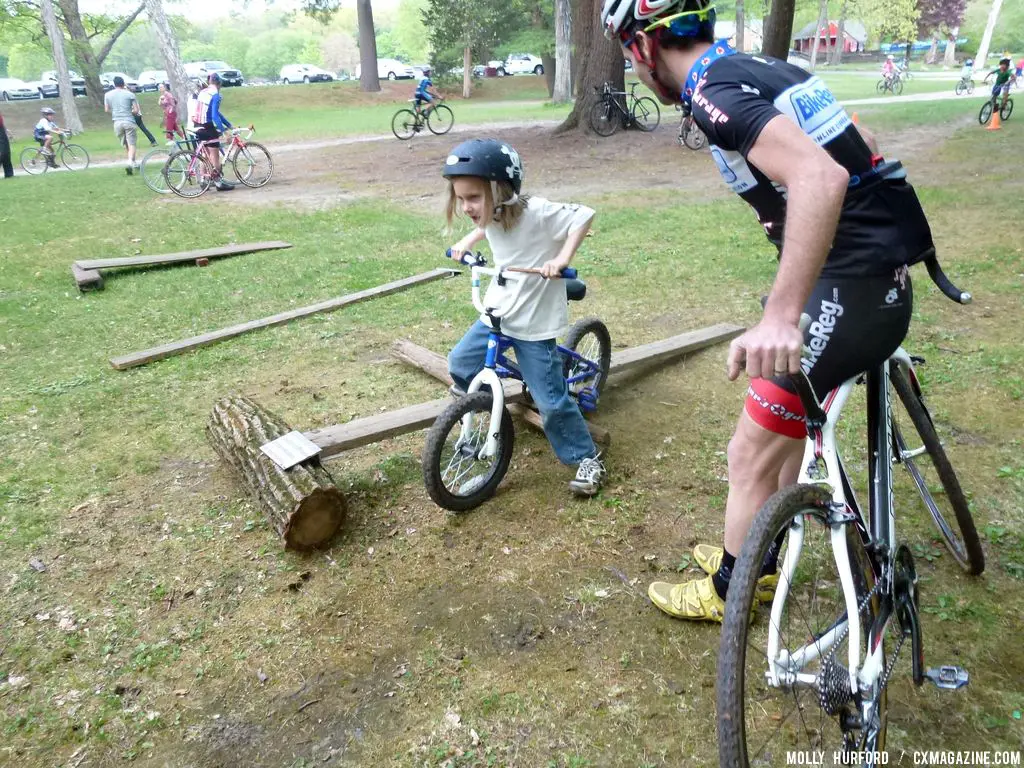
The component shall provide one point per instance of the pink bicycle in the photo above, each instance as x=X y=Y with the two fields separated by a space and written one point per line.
x=189 y=173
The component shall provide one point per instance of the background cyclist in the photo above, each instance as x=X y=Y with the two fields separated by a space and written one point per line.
x=425 y=94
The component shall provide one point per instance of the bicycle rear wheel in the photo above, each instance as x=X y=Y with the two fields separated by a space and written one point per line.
x=985 y=113
x=403 y=124
x=188 y=174
x=440 y=120
x=897 y=87
x=759 y=722
x=646 y=114
x=253 y=165
x=693 y=137
x=152 y=170
x=604 y=118
x=33 y=160
x=74 y=157
x=930 y=469
x=590 y=339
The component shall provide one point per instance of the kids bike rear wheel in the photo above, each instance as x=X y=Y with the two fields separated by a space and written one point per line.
x=590 y=339
x=456 y=476
x=403 y=124
x=758 y=720
x=440 y=120
x=930 y=469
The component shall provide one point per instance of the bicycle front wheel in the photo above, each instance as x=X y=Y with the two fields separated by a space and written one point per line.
x=33 y=160
x=253 y=165
x=985 y=113
x=603 y=118
x=759 y=719
x=930 y=470
x=694 y=137
x=880 y=87
x=646 y=114
x=403 y=124
x=152 y=170
x=188 y=174
x=897 y=87
x=440 y=120
x=960 y=88
x=74 y=157
x=457 y=477
x=970 y=88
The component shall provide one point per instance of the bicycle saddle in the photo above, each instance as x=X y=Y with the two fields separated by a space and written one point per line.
x=575 y=290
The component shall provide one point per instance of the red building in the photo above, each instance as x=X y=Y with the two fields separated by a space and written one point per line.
x=854 y=37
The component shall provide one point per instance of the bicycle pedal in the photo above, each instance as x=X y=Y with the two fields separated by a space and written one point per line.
x=947 y=677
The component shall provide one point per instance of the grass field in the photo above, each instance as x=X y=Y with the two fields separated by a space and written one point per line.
x=169 y=628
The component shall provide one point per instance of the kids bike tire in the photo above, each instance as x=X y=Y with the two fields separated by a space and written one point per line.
x=967 y=551
x=960 y=88
x=437 y=437
x=985 y=113
x=579 y=331
x=812 y=503
x=1006 y=110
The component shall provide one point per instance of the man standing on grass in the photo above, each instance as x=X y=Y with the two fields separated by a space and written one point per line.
x=123 y=107
x=5 y=151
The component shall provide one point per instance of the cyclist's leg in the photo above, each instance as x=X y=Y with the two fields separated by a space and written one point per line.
x=467 y=357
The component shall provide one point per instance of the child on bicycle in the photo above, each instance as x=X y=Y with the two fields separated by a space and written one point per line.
x=425 y=93
x=44 y=132
x=1004 y=79
x=967 y=72
x=485 y=179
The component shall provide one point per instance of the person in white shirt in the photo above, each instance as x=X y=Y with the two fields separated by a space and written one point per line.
x=43 y=134
x=485 y=179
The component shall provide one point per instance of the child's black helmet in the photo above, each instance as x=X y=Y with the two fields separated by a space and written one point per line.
x=487 y=158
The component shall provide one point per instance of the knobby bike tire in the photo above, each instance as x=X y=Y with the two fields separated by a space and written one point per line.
x=968 y=552
x=188 y=174
x=33 y=161
x=777 y=514
x=985 y=113
x=604 y=118
x=1007 y=110
x=74 y=157
x=579 y=331
x=644 y=109
x=250 y=155
x=152 y=170
x=450 y=418
x=403 y=124
x=445 y=120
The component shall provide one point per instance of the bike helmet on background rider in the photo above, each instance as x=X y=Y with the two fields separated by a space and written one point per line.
x=47 y=111
x=487 y=159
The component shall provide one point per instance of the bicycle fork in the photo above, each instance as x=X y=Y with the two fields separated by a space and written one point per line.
x=488 y=377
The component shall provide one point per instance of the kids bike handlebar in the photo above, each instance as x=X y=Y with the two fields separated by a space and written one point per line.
x=478 y=266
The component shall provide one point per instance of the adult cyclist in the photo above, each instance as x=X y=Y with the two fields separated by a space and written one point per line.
x=846 y=224
x=1004 y=79
x=425 y=94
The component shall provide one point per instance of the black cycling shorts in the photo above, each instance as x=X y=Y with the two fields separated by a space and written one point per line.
x=208 y=133
x=856 y=323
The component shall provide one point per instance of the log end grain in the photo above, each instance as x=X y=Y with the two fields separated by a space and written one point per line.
x=315 y=520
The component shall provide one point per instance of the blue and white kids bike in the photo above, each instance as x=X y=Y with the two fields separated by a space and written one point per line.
x=469 y=446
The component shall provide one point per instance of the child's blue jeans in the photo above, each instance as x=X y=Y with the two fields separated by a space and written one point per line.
x=541 y=364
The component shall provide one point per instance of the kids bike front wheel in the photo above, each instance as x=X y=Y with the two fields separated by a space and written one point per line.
x=985 y=113
x=587 y=369
x=457 y=476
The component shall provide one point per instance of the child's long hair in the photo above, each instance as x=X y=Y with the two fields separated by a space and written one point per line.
x=506 y=215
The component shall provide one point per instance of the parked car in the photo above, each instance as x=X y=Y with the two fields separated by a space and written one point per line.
x=107 y=81
x=392 y=69
x=201 y=70
x=150 y=79
x=304 y=73
x=49 y=87
x=13 y=89
x=522 y=64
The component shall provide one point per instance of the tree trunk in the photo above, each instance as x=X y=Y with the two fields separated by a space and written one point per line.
x=67 y=95
x=368 y=80
x=950 y=58
x=84 y=54
x=933 y=52
x=822 y=21
x=778 y=29
x=467 y=72
x=837 y=51
x=600 y=61
x=302 y=503
x=548 y=62
x=740 y=21
x=171 y=57
x=562 y=91
x=986 y=38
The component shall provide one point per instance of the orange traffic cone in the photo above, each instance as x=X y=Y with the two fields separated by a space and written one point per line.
x=994 y=124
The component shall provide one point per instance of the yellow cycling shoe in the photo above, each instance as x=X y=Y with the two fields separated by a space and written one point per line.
x=695 y=600
x=709 y=558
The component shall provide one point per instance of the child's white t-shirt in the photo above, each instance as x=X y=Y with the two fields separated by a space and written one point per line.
x=533 y=309
x=966 y=71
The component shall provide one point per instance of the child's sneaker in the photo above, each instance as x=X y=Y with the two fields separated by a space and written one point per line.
x=589 y=476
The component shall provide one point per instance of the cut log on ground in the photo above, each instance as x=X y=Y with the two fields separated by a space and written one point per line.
x=83 y=268
x=178 y=347
x=302 y=503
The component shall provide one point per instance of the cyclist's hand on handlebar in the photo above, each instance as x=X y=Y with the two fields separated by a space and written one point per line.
x=770 y=348
x=553 y=268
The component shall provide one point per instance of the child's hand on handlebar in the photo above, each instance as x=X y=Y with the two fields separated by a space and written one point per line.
x=554 y=267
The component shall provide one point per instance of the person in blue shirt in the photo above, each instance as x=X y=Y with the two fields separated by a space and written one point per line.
x=425 y=93
x=210 y=123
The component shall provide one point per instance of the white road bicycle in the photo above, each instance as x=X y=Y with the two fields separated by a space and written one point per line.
x=815 y=676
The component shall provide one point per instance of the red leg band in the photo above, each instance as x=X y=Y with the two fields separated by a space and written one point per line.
x=776 y=409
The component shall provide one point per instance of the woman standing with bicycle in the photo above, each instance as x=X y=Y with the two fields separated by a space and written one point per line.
x=485 y=179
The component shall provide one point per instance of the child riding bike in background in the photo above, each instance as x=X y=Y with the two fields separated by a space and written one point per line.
x=425 y=93
x=44 y=133
x=1004 y=79
x=485 y=179
x=888 y=68
x=967 y=72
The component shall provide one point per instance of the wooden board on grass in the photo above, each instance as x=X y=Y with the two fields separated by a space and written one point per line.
x=174 y=258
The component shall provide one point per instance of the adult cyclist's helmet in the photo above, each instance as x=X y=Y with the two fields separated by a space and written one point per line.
x=487 y=159
x=620 y=19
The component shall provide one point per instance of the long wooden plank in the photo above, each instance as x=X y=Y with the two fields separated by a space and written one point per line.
x=674 y=346
x=172 y=258
x=178 y=347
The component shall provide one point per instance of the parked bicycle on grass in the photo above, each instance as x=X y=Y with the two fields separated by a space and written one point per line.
x=618 y=108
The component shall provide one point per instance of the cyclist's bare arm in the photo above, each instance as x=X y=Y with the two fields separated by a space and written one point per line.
x=466 y=244
x=816 y=186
